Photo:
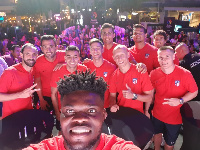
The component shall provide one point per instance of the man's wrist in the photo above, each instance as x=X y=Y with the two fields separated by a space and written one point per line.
x=135 y=96
x=181 y=101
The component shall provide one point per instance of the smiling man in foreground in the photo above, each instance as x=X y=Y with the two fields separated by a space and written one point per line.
x=82 y=116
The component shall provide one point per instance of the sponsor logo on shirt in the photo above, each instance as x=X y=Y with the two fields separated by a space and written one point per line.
x=146 y=55
x=105 y=74
x=177 y=83
x=134 y=80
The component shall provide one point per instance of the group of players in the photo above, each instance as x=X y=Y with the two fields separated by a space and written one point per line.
x=142 y=74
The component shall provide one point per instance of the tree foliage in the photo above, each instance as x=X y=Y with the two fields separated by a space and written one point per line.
x=34 y=7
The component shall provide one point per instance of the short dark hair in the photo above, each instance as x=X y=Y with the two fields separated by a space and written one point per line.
x=95 y=40
x=160 y=32
x=48 y=37
x=82 y=81
x=28 y=45
x=107 y=25
x=139 y=26
x=165 y=48
x=13 y=47
x=72 y=48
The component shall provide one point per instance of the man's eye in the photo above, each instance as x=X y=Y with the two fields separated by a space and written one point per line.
x=91 y=110
x=69 y=111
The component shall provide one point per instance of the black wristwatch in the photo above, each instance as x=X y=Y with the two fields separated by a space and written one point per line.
x=135 y=96
x=181 y=101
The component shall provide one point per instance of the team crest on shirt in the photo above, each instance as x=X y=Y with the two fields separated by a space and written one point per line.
x=134 y=80
x=177 y=83
x=146 y=55
x=105 y=74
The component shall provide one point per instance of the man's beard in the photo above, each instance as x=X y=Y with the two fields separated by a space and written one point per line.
x=86 y=147
x=30 y=64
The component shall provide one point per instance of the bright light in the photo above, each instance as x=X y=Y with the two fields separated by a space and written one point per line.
x=134 y=13
x=72 y=11
x=83 y=9
x=90 y=9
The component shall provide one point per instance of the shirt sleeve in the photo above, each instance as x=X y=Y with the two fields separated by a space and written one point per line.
x=6 y=81
x=190 y=83
x=3 y=63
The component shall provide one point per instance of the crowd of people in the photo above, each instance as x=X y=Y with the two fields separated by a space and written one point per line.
x=140 y=75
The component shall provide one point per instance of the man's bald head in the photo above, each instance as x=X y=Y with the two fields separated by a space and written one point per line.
x=181 y=50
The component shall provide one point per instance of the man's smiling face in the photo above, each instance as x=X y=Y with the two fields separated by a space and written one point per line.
x=82 y=116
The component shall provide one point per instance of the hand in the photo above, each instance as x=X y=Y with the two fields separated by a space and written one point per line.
x=86 y=60
x=147 y=114
x=57 y=67
x=114 y=108
x=141 y=67
x=171 y=101
x=43 y=104
x=28 y=92
x=128 y=94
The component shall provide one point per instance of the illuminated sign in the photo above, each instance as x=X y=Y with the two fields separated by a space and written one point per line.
x=2 y=14
x=57 y=16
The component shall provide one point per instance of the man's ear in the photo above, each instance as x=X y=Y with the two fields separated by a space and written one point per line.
x=65 y=58
x=113 y=35
x=128 y=53
x=145 y=35
x=174 y=56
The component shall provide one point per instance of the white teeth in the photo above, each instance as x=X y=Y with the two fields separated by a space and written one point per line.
x=80 y=131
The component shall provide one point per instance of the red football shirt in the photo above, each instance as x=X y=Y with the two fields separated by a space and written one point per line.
x=56 y=75
x=16 y=79
x=105 y=71
x=138 y=83
x=44 y=69
x=107 y=142
x=174 y=85
x=148 y=55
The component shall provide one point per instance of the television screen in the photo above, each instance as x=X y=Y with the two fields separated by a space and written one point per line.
x=177 y=27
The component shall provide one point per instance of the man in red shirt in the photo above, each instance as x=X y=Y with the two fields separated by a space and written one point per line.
x=44 y=67
x=17 y=83
x=159 y=40
x=173 y=85
x=107 y=35
x=133 y=87
x=101 y=66
x=142 y=51
x=82 y=116
x=72 y=60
